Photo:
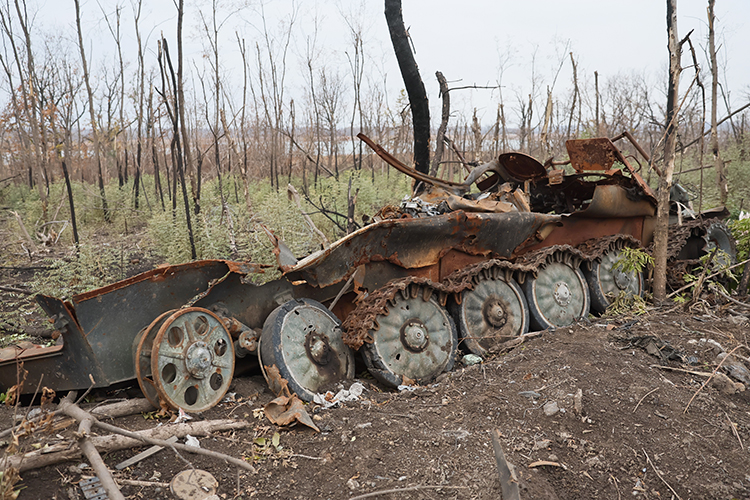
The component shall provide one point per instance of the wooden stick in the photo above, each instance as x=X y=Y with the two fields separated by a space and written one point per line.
x=644 y=397
x=135 y=482
x=410 y=488
x=659 y=475
x=64 y=452
x=293 y=194
x=25 y=232
x=691 y=372
x=734 y=431
x=709 y=378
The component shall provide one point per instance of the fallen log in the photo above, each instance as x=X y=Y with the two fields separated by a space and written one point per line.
x=86 y=420
x=65 y=452
x=114 y=410
x=123 y=408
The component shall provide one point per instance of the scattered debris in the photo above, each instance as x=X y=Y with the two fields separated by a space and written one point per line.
x=287 y=408
x=330 y=400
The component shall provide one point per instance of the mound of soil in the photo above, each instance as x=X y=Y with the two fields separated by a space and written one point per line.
x=587 y=411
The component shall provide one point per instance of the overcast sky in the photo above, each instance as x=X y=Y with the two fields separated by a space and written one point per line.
x=469 y=41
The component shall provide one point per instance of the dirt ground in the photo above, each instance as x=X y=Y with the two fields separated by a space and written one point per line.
x=635 y=430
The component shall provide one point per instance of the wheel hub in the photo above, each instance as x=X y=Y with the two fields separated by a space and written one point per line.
x=414 y=335
x=198 y=359
x=562 y=293
x=494 y=313
x=622 y=280
x=317 y=348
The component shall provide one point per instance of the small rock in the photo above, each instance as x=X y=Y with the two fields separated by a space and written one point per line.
x=726 y=385
x=552 y=457
x=578 y=402
x=551 y=408
x=542 y=444
x=734 y=368
x=471 y=359
x=352 y=484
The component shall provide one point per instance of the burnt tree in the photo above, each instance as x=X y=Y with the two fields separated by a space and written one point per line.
x=420 y=106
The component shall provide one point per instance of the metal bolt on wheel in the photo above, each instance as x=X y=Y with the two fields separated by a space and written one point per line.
x=416 y=339
x=192 y=360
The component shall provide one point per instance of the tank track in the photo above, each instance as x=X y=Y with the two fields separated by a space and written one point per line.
x=357 y=326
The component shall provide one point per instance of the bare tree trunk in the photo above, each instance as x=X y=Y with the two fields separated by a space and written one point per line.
x=596 y=92
x=420 y=106
x=504 y=134
x=444 y=117
x=665 y=180
x=721 y=175
x=176 y=146
x=575 y=95
x=37 y=167
x=141 y=91
x=243 y=132
x=547 y=120
x=92 y=113
x=496 y=135
x=180 y=96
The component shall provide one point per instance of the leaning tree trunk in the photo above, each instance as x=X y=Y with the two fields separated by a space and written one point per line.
x=665 y=180
x=420 y=106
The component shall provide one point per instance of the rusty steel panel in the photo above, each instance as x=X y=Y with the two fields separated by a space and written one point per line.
x=591 y=154
x=419 y=242
x=455 y=260
x=521 y=167
x=575 y=230
x=613 y=201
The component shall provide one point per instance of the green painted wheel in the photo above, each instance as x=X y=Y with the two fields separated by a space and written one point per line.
x=495 y=310
x=192 y=360
x=557 y=296
x=303 y=339
x=606 y=283
x=416 y=340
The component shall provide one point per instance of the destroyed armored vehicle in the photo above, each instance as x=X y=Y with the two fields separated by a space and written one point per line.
x=517 y=246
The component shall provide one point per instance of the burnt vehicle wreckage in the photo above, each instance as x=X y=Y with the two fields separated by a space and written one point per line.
x=536 y=247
